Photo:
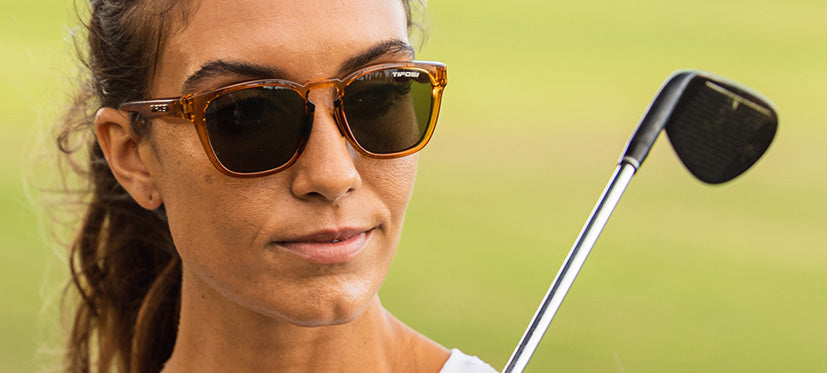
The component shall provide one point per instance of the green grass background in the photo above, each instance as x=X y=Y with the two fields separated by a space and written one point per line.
x=542 y=96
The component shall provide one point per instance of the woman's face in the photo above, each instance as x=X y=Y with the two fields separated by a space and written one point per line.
x=311 y=244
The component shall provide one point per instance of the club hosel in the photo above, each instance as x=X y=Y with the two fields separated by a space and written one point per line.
x=655 y=119
x=643 y=139
x=636 y=151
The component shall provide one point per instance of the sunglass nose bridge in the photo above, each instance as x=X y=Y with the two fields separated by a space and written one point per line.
x=332 y=110
x=315 y=85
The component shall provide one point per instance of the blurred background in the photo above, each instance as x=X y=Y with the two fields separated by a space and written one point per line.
x=541 y=99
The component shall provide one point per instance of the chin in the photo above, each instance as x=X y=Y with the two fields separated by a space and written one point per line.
x=330 y=315
x=320 y=303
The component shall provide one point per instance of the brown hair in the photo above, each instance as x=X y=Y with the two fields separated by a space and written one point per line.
x=123 y=263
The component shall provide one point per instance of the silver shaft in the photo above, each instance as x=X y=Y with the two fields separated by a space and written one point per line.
x=568 y=272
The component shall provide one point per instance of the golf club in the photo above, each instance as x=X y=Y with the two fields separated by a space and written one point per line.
x=718 y=129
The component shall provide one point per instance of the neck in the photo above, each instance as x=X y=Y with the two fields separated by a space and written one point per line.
x=231 y=338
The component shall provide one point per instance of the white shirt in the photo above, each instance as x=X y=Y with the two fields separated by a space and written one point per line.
x=459 y=362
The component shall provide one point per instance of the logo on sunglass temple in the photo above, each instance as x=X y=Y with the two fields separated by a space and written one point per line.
x=162 y=108
x=405 y=74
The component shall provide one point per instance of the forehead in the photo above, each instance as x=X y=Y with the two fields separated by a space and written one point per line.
x=306 y=39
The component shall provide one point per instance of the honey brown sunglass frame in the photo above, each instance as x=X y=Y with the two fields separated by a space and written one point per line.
x=192 y=107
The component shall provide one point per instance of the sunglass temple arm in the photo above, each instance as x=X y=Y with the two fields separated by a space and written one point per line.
x=151 y=109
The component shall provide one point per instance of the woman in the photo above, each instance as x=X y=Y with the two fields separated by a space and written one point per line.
x=247 y=223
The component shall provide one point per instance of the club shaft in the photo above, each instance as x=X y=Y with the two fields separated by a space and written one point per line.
x=571 y=267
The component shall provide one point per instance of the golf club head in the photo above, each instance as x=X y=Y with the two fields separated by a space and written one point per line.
x=718 y=128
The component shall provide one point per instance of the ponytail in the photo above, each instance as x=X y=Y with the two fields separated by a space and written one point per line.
x=124 y=269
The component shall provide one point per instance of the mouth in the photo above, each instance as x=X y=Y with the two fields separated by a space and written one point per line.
x=328 y=246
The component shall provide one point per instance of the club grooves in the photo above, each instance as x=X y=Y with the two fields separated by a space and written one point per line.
x=718 y=134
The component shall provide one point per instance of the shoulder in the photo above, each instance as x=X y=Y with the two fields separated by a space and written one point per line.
x=459 y=362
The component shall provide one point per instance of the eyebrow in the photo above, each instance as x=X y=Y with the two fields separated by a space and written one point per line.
x=385 y=48
x=221 y=67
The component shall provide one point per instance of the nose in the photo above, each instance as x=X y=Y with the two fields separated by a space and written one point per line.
x=326 y=169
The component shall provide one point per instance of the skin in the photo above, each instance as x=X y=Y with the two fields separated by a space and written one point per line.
x=248 y=302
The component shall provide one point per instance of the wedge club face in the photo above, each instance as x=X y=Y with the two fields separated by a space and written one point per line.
x=719 y=129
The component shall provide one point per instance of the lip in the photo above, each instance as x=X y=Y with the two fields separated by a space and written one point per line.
x=335 y=246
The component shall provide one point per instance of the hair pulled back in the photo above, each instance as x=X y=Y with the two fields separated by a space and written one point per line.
x=123 y=263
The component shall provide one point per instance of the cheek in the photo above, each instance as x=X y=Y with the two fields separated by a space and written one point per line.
x=393 y=185
x=205 y=215
x=217 y=225
x=393 y=181
x=204 y=208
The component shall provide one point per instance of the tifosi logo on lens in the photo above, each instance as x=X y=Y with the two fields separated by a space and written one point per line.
x=405 y=74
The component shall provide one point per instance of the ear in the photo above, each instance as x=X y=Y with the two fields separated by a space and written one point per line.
x=120 y=146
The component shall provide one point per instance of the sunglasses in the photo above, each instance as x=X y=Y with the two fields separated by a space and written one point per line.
x=260 y=127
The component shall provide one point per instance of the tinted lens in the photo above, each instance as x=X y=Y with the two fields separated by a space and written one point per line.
x=256 y=129
x=388 y=111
